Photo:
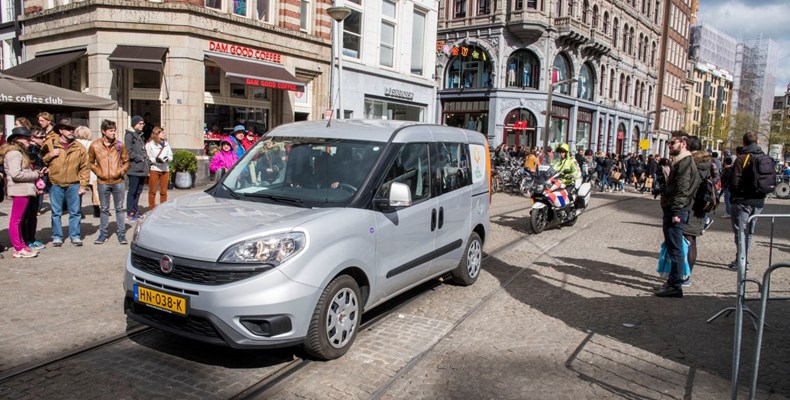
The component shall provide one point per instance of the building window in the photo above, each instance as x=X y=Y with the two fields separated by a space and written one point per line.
x=595 y=17
x=559 y=8
x=561 y=72
x=606 y=22
x=631 y=41
x=304 y=15
x=532 y=4
x=352 y=34
x=212 y=80
x=240 y=7
x=418 y=42
x=483 y=7
x=459 y=8
x=145 y=79
x=387 y=47
x=470 y=68
x=523 y=70
x=215 y=4
x=381 y=109
x=658 y=7
x=611 y=85
x=586 y=84
x=585 y=8
x=520 y=128
x=622 y=88
x=263 y=10
x=468 y=114
x=601 y=81
x=614 y=33
x=519 y=5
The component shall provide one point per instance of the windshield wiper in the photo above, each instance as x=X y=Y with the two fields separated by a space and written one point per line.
x=281 y=199
x=232 y=193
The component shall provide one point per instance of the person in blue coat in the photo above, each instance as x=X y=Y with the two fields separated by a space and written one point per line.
x=236 y=139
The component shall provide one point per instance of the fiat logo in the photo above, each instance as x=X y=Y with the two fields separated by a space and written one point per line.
x=166 y=264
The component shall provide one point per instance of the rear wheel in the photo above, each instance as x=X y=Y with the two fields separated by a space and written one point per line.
x=496 y=183
x=783 y=190
x=469 y=267
x=335 y=320
x=538 y=219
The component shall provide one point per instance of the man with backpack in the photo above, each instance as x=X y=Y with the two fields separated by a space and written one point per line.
x=753 y=177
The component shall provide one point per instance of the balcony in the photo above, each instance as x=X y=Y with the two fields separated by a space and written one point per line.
x=598 y=45
x=571 y=32
x=527 y=25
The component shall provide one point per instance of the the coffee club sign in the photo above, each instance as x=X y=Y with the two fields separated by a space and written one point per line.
x=464 y=51
x=397 y=93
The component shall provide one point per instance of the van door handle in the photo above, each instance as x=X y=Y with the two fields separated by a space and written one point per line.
x=433 y=220
x=441 y=217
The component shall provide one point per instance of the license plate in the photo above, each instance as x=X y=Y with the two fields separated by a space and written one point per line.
x=159 y=300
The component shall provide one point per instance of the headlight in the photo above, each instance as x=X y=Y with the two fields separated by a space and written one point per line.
x=273 y=249
x=137 y=228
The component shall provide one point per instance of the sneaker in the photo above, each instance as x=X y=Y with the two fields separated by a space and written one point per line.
x=57 y=243
x=76 y=242
x=25 y=253
x=123 y=241
x=99 y=241
x=687 y=282
x=670 y=292
x=708 y=223
x=132 y=217
x=36 y=245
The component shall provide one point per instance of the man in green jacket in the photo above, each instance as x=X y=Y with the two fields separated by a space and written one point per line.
x=676 y=202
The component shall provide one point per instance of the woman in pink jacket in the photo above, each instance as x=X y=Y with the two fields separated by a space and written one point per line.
x=225 y=157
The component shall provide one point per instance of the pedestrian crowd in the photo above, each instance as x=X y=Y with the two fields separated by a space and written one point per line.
x=63 y=162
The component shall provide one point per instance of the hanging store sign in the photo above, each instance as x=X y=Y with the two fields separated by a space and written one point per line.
x=242 y=51
x=271 y=84
x=399 y=94
x=520 y=125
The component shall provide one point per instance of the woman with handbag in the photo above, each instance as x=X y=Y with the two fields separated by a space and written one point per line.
x=21 y=180
x=159 y=154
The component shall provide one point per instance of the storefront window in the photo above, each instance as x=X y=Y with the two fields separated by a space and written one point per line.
x=380 y=109
x=145 y=79
x=560 y=118
x=472 y=115
x=520 y=127
x=635 y=140
x=522 y=70
x=238 y=90
x=586 y=83
x=470 y=68
x=212 y=80
x=583 y=129
x=561 y=72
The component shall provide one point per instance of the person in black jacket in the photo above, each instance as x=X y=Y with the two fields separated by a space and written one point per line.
x=745 y=201
x=138 y=168
x=676 y=201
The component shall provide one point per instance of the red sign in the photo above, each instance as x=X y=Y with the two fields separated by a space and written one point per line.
x=273 y=85
x=521 y=125
x=242 y=51
x=212 y=136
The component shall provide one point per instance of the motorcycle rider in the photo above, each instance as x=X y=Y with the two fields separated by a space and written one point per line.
x=566 y=165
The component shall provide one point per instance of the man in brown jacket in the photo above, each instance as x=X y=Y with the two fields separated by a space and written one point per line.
x=66 y=159
x=109 y=160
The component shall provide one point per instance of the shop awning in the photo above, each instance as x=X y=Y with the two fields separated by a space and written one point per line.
x=256 y=73
x=138 y=57
x=43 y=64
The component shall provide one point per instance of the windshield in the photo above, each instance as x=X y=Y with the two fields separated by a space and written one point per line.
x=307 y=172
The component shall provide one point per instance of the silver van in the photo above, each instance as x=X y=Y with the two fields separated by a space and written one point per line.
x=312 y=227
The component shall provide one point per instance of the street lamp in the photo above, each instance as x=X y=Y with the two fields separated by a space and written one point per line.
x=547 y=123
x=649 y=113
x=338 y=14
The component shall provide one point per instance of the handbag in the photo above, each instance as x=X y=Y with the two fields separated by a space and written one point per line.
x=665 y=264
x=649 y=183
x=616 y=175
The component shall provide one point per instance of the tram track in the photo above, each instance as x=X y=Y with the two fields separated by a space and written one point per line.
x=282 y=374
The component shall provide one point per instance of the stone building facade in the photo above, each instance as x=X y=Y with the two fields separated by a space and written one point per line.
x=498 y=59
x=708 y=103
x=675 y=33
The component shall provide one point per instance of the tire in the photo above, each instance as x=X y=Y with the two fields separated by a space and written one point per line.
x=496 y=184
x=572 y=222
x=468 y=268
x=335 y=320
x=538 y=219
x=783 y=190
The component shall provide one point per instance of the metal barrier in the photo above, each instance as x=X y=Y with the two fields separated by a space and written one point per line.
x=739 y=308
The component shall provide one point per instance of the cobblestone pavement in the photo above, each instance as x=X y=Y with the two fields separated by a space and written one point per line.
x=564 y=314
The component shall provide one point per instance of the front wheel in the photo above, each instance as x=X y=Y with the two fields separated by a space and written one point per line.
x=335 y=320
x=538 y=219
x=468 y=268
x=783 y=190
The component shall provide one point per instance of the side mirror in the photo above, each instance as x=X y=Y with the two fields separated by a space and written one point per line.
x=399 y=196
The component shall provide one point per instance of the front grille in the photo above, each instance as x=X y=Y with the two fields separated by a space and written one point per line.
x=188 y=273
x=189 y=324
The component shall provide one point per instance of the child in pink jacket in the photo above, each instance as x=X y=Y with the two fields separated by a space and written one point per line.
x=225 y=157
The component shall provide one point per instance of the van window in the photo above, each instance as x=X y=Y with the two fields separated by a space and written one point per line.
x=411 y=166
x=451 y=168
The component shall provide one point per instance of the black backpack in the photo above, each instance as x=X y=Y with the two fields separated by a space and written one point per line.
x=706 y=198
x=760 y=176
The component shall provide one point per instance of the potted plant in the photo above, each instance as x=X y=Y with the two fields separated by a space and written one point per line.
x=184 y=164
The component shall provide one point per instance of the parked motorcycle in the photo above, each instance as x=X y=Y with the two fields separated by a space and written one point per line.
x=551 y=200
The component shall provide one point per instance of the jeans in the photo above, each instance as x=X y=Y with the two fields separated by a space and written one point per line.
x=157 y=180
x=71 y=195
x=673 y=237
x=604 y=182
x=133 y=195
x=116 y=191
x=739 y=217
x=30 y=220
x=727 y=204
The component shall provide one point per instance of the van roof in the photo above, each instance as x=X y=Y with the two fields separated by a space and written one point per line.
x=374 y=130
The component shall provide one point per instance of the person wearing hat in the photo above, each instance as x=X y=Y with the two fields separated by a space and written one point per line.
x=21 y=179
x=30 y=221
x=138 y=166
x=237 y=140
x=67 y=160
x=566 y=165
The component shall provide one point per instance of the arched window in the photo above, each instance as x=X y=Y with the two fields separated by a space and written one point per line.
x=625 y=37
x=559 y=8
x=656 y=14
x=606 y=22
x=523 y=70
x=639 y=51
x=622 y=87
x=520 y=127
x=469 y=68
x=571 y=8
x=560 y=72
x=611 y=85
x=645 y=9
x=614 y=32
x=586 y=84
x=631 y=41
x=637 y=86
x=585 y=10
x=595 y=17
x=627 y=94
x=601 y=81
x=653 y=56
x=649 y=97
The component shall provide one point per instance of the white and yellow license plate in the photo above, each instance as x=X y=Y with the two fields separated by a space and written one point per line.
x=163 y=301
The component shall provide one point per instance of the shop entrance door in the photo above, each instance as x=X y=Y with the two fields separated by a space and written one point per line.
x=151 y=111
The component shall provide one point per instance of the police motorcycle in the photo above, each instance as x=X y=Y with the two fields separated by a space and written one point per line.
x=551 y=200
